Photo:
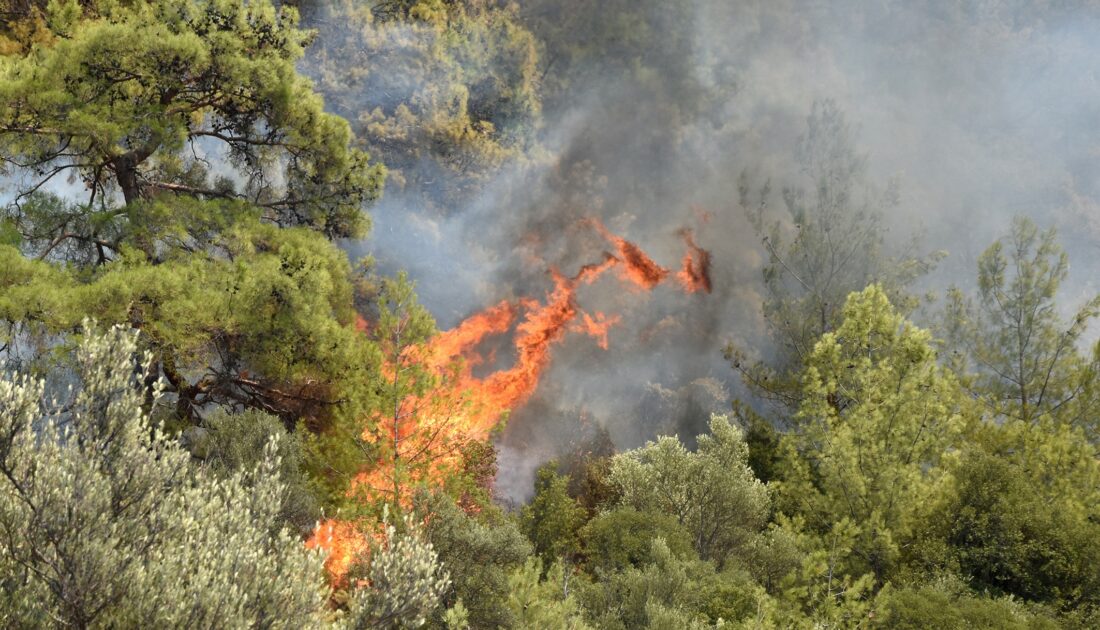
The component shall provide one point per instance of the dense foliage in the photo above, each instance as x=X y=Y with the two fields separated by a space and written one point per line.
x=444 y=93
x=107 y=525
x=169 y=169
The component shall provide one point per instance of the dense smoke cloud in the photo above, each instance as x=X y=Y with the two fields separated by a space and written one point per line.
x=981 y=111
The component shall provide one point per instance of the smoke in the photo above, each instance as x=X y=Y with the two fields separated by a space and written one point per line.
x=982 y=111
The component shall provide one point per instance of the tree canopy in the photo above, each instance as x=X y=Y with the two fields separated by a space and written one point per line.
x=1026 y=358
x=175 y=97
x=106 y=525
x=170 y=169
x=444 y=93
x=828 y=241
x=261 y=432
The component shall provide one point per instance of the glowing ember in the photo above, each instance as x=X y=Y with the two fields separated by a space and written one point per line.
x=361 y=324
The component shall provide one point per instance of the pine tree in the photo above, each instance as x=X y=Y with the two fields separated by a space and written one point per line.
x=877 y=415
x=1025 y=358
x=711 y=492
x=139 y=100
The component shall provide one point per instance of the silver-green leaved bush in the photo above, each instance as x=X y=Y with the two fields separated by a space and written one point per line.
x=104 y=522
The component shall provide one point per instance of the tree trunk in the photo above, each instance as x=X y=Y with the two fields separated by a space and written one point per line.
x=126 y=173
x=127 y=177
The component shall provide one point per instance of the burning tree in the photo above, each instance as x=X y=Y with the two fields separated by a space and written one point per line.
x=418 y=431
x=430 y=405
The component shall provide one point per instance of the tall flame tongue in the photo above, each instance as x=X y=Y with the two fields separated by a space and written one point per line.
x=542 y=326
x=462 y=339
x=473 y=406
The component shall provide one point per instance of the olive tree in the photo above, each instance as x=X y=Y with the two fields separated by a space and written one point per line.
x=711 y=492
x=104 y=522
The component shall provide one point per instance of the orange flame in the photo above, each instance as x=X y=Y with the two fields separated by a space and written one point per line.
x=637 y=266
x=694 y=274
x=343 y=540
x=473 y=330
x=596 y=327
x=361 y=324
x=466 y=408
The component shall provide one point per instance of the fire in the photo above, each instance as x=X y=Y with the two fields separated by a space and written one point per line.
x=694 y=274
x=466 y=336
x=596 y=327
x=461 y=408
x=343 y=540
x=637 y=266
x=361 y=324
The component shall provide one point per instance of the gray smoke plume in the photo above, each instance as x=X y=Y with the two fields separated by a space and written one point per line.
x=981 y=111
